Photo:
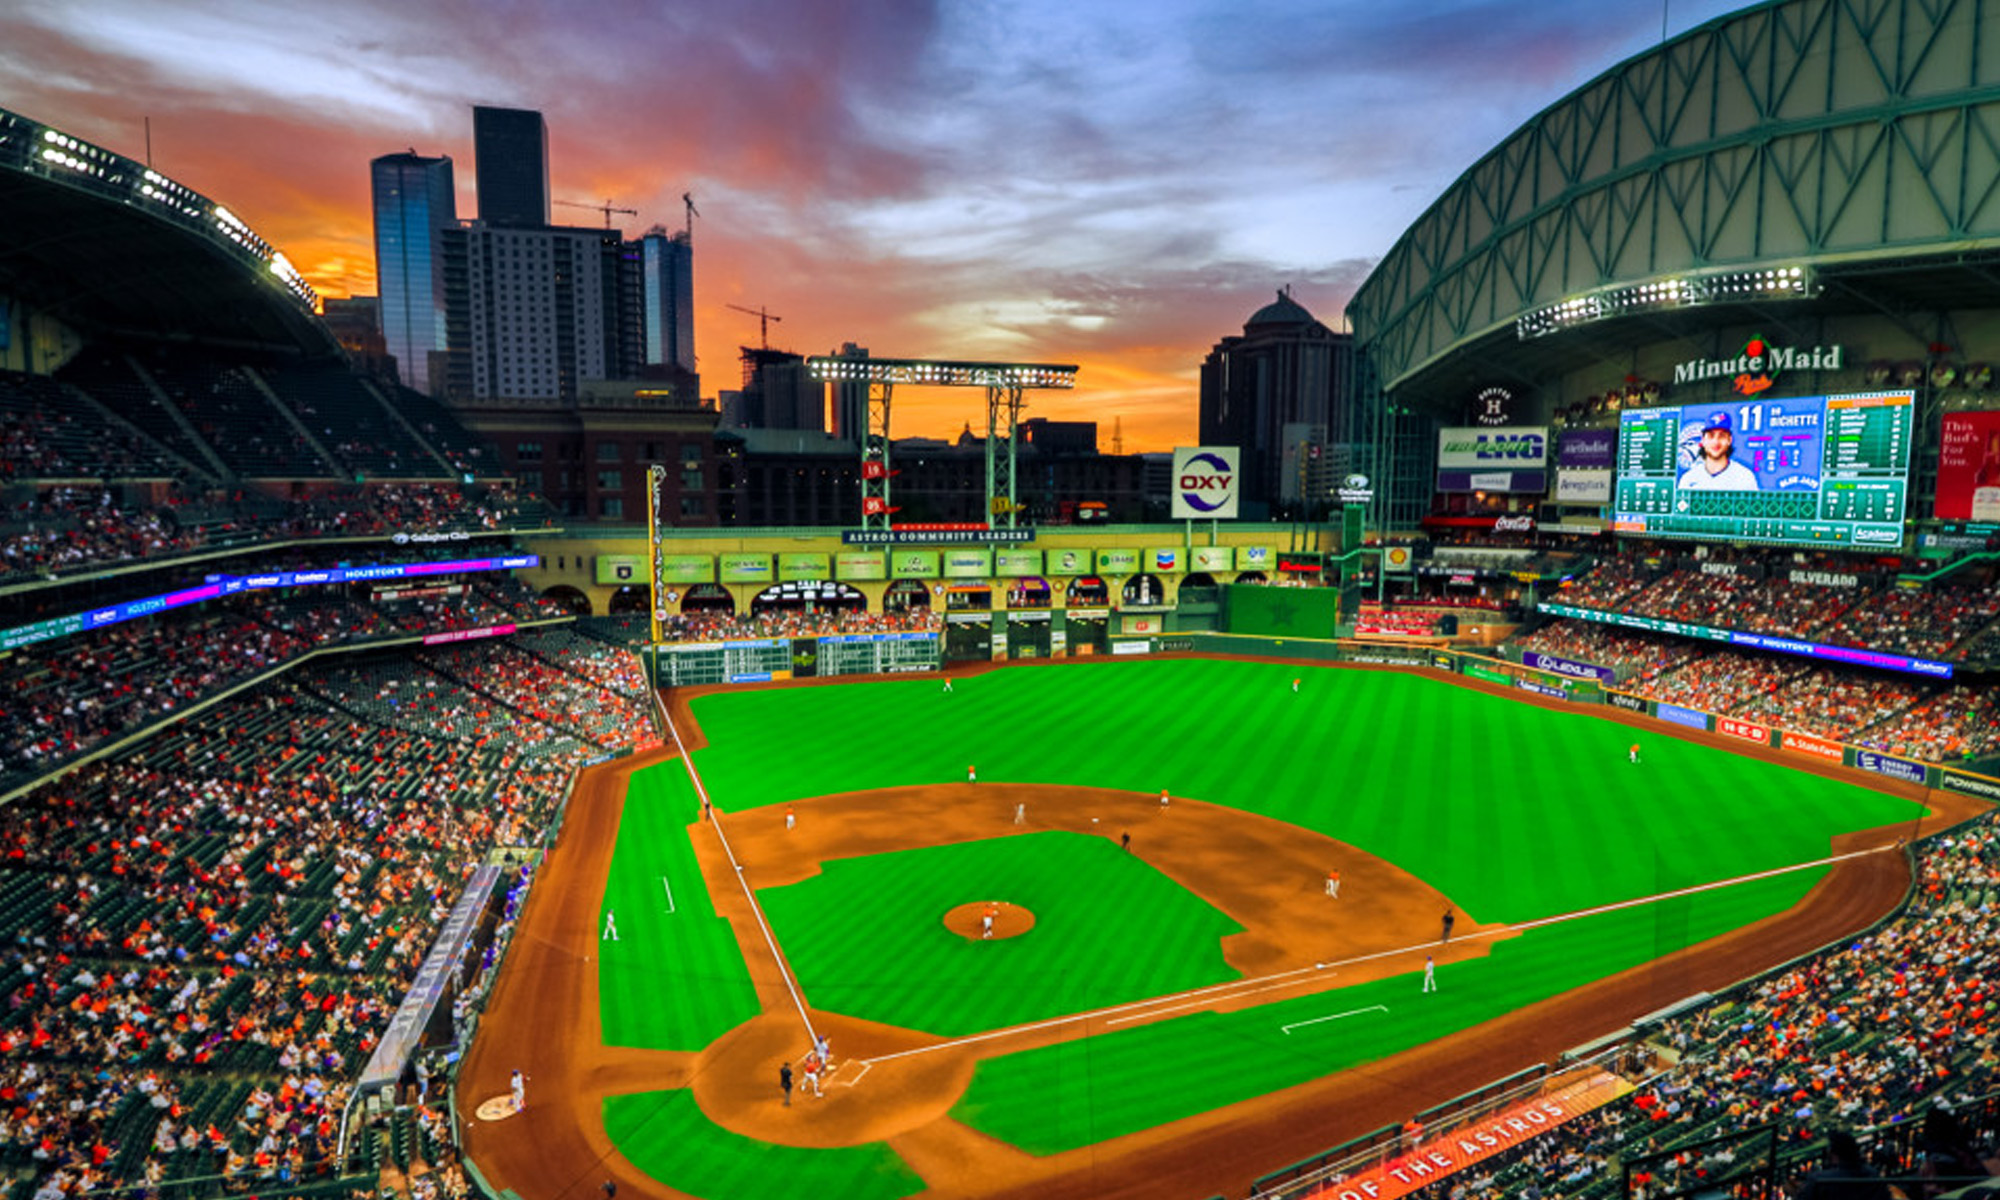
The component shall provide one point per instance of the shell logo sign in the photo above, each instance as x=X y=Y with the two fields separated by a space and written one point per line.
x=1206 y=482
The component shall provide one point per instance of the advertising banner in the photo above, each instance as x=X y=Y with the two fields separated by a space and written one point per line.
x=1118 y=562
x=968 y=564
x=801 y=566
x=1070 y=562
x=1509 y=448
x=1894 y=768
x=1142 y=623
x=1587 y=449
x=1813 y=747
x=617 y=570
x=1591 y=486
x=1627 y=701
x=1689 y=717
x=1476 y=671
x=1568 y=666
x=468 y=635
x=1454 y=1150
x=1746 y=730
x=1166 y=560
x=913 y=564
x=1256 y=558
x=1013 y=564
x=1542 y=689
x=1970 y=785
x=1968 y=484
x=746 y=568
x=687 y=568
x=860 y=565
x=1212 y=558
x=1205 y=483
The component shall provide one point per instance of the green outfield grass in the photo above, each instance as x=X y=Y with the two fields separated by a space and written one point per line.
x=673 y=980
x=1514 y=811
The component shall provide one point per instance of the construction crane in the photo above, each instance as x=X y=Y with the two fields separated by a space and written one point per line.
x=607 y=208
x=687 y=198
x=764 y=319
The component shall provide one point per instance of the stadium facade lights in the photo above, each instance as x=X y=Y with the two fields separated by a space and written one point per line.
x=1682 y=291
x=131 y=182
x=840 y=369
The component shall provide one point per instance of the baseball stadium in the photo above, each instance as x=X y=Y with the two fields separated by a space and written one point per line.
x=1594 y=798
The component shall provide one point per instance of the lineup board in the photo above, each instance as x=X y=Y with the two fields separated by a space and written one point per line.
x=1795 y=470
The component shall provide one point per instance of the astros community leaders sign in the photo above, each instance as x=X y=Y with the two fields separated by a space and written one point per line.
x=1205 y=482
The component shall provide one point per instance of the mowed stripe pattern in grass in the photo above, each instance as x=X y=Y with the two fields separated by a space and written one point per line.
x=866 y=937
x=1073 y=1094
x=1514 y=811
x=672 y=980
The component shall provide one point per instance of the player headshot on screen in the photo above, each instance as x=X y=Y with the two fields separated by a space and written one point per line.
x=1713 y=469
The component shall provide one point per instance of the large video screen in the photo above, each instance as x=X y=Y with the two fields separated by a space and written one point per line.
x=1797 y=470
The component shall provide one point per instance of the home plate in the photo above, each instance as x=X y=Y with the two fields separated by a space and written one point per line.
x=499 y=1108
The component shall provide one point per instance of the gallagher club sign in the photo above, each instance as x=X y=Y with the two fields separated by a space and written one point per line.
x=1205 y=482
x=1757 y=367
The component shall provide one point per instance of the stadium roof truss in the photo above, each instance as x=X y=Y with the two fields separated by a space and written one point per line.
x=1822 y=137
x=1005 y=384
x=111 y=246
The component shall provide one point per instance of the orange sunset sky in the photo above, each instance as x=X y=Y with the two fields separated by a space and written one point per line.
x=1116 y=185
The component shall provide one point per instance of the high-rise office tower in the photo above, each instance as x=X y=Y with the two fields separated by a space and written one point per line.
x=413 y=201
x=541 y=310
x=510 y=156
x=1276 y=391
x=666 y=268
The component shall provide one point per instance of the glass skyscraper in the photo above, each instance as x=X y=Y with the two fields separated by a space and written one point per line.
x=413 y=200
x=510 y=157
x=667 y=268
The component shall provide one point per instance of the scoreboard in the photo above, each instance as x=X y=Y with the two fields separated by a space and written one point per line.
x=1797 y=470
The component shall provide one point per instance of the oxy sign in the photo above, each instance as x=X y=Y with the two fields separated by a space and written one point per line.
x=1206 y=482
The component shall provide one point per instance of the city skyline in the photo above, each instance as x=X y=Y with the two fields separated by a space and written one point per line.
x=1117 y=188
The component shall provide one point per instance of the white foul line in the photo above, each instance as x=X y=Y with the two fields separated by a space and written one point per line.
x=770 y=941
x=670 y=894
x=1222 y=992
x=1334 y=1017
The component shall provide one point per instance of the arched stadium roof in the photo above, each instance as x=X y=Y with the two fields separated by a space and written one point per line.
x=1853 y=144
x=116 y=250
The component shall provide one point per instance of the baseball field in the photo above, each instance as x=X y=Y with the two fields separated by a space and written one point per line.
x=1171 y=1002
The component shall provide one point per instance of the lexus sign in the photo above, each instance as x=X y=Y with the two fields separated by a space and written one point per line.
x=1206 y=482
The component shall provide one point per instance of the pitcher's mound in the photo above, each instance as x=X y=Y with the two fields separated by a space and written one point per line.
x=969 y=920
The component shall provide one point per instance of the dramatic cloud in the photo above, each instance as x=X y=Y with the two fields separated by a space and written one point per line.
x=1113 y=185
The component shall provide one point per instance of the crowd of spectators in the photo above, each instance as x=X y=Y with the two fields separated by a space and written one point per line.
x=1900 y=714
x=1629 y=652
x=1956 y=619
x=202 y=938
x=1893 y=1027
x=68 y=528
x=1957 y=722
x=794 y=623
x=68 y=695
